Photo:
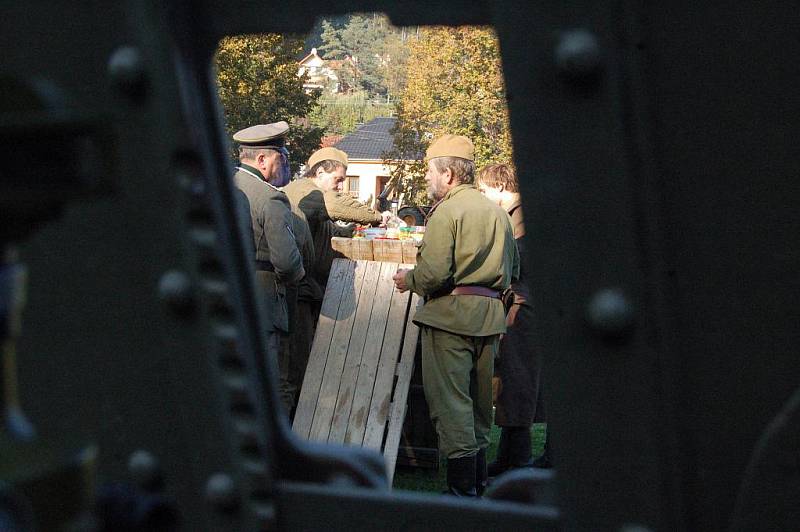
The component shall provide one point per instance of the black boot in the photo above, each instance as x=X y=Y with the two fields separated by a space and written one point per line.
x=519 y=447
x=461 y=476
x=481 y=473
x=544 y=461
x=500 y=464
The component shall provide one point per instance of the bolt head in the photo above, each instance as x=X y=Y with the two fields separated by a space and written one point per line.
x=144 y=468
x=610 y=313
x=221 y=491
x=127 y=73
x=176 y=291
x=577 y=55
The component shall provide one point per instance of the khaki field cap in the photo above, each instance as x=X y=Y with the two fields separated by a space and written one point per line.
x=451 y=146
x=327 y=154
x=263 y=135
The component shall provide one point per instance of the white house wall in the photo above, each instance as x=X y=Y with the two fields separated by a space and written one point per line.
x=367 y=172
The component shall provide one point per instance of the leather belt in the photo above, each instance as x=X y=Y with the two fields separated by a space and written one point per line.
x=264 y=266
x=474 y=291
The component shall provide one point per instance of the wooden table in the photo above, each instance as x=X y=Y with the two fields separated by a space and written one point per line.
x=382 y=250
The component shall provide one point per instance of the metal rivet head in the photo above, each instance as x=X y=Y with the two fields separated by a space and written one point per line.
x=610 y=313
x=144 y=468
x=221 y=491
x=577 y=55
x=126 y=70
x=176 y=291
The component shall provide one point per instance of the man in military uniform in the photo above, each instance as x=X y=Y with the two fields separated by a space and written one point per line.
x=319 y=196
x=466 y=259
x=278 y=260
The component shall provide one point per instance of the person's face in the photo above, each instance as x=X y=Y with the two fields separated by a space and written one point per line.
x=331 y=181
x=493 y=194
x=437 y=182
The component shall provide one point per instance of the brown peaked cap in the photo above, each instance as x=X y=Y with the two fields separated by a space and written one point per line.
x=451 y=146
x=327 y=154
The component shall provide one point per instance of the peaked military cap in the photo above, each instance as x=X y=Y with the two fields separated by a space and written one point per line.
x=451 y=146
x=263 y=135
x=327 y=154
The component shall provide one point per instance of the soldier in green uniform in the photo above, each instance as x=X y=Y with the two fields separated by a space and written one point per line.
x=466 y=259
x=319 y=196
x=278 y=259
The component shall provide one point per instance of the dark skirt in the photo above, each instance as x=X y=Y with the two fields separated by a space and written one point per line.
x=518 y=370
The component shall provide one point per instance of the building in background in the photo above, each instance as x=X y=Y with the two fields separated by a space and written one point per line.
x=367 y=175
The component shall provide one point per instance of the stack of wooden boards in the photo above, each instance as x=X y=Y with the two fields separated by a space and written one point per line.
x=385 y=250
x=362 y=358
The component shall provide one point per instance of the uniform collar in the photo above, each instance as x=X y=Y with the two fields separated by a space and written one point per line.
x=455 y=190
x=452 y=192
x=255 y=172
x=514 y=206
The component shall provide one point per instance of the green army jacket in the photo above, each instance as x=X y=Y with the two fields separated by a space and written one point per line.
x=468 y=241
x=274 y=241
x=320 y=209
x=319 y=205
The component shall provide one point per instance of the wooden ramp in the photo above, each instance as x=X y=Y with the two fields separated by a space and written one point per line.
x=362 y=358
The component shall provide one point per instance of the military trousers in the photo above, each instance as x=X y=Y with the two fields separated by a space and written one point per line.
x=294 y=351
x=457 y=380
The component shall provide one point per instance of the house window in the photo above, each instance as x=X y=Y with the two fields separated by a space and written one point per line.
x=352 y=185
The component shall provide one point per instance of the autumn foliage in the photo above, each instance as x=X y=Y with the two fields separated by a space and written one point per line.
x=257 y=83
x=454 y=84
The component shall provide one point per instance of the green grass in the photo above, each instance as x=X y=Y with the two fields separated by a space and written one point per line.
x=433 y=481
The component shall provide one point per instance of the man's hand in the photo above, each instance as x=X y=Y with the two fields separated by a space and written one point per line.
x=400 y=280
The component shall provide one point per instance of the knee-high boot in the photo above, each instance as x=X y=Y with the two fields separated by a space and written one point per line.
x=545 y=461
x=461 y=476
x=500 y=464
x=481 y=473
x=519 y=447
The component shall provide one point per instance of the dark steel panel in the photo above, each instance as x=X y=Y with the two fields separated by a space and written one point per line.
x=575 y=158
x=726 y=112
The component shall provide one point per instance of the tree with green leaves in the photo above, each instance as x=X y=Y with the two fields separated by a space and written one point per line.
x=454 y=85
x=376 y=48
x=257 y=83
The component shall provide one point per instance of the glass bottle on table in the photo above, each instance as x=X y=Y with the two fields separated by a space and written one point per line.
x=393 y=223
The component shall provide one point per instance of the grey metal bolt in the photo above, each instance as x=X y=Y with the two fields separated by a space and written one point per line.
x=610 y=313
x=144 y=468
x=176 y=291
x=577 y=55
x=126 y=70
x=221 y=491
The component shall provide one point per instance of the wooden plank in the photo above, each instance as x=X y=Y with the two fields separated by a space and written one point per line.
x=331 y=378
x=343 y=245
x=341 y=276
x=399 y=401
x=355 y=352
x=379 y=406
x=365 y=385
x=388 y=250
x=362 y=249
x=409 y=251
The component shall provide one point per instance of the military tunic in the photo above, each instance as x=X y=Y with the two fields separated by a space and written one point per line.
x=468 y=242
x=320 y=209
x=278 y=261
x=303 y=299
